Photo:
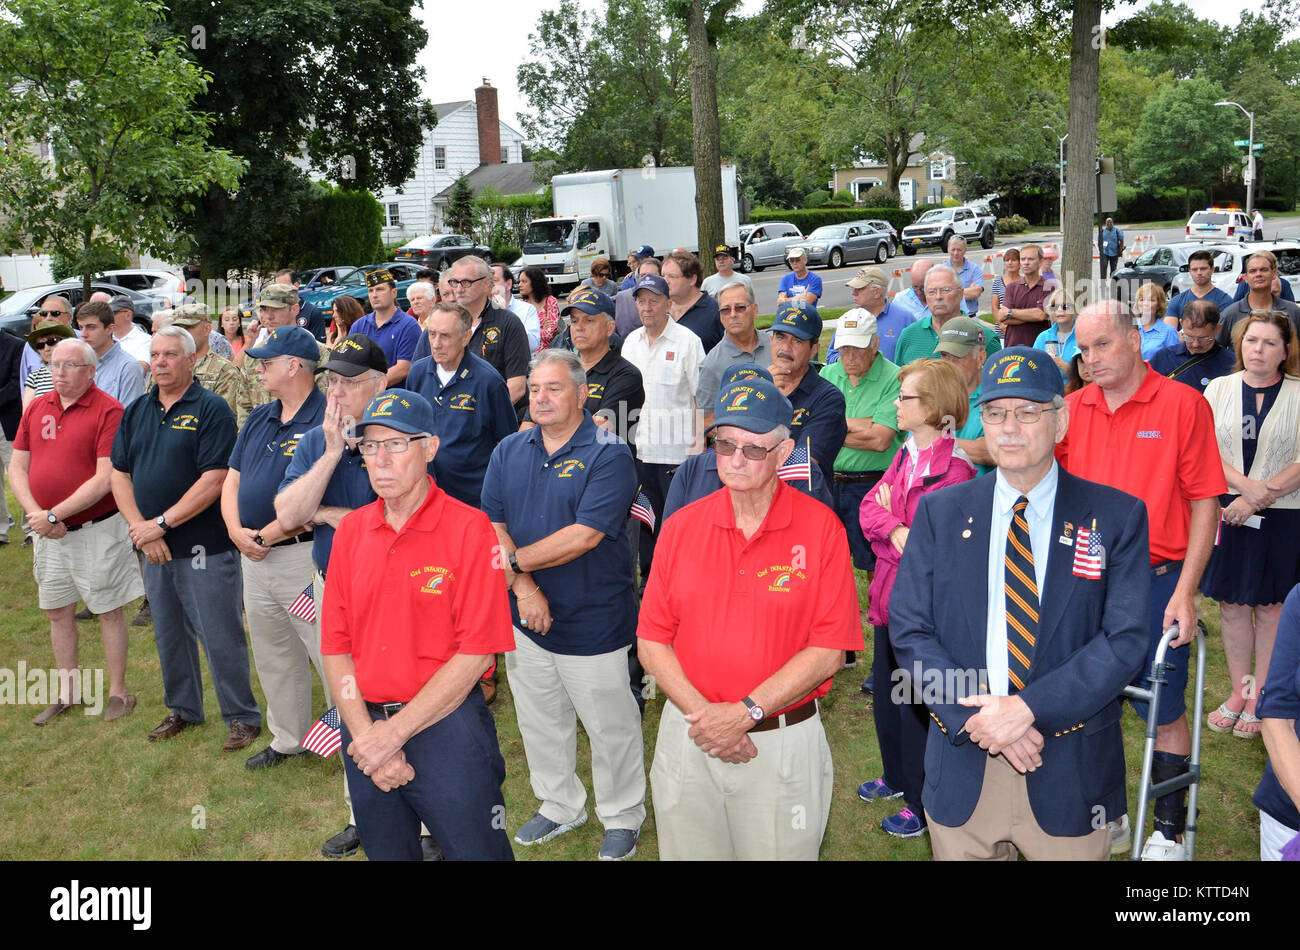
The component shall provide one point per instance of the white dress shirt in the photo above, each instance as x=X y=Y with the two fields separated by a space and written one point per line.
x=670 y=374
x=531 y=320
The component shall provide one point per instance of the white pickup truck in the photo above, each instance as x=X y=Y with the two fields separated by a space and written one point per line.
x=974 y=222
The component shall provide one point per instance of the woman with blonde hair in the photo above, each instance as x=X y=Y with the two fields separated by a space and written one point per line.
x=1150 y=303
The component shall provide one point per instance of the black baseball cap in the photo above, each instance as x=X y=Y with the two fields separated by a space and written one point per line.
x=354 y=355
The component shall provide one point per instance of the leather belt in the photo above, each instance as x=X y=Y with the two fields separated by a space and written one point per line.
x=848 y=478
x=296 y=539
x=1164 y=567
x=387 y=710
x=790 y=718
x=78 y=527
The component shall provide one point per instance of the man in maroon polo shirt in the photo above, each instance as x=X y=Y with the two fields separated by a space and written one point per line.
x=1023 y=316
x=60 y=475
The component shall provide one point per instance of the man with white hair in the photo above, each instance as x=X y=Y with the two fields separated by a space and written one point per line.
x=970 y=274
x=82 y=547
x=943 y=292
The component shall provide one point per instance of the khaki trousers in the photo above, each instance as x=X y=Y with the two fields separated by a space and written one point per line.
x=551 y=693
x=772 y=808
x=1003 y=826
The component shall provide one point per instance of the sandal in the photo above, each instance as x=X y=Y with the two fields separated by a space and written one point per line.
x=1227 y=719
x=1246 y=719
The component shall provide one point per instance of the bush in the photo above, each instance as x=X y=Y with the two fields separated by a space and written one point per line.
x=502 y=219
x=1161 y=206
x=1274 y=204
x=950 y=202
x=94 y=262
x=1012 y=225
x=338 y=225
x=844 y=197
x=390 y=250
x=505 y=253
x=807 y=220
x=815 y=199
x=881 y=196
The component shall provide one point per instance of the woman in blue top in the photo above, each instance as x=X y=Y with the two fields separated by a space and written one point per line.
x=1150 y=303
x=1057 y=341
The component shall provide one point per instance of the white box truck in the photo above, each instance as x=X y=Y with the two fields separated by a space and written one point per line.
x=607 y=213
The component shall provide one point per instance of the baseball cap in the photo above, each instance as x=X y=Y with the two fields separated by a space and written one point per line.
x=857 y=328
x=866 y=276
x=381 y=276
x=287 y=341
x=653 y=283
x=795 y=251
x=190 y=315
x=354 y=355
x=277 y=296
x=722 y=251
x=742 y=371
x=960 y=335
x=398 y=409
x=644 y=251
x=48 y=328
x=589 y=301
x=755 y=405
x=121 y=302
x=798 y=318
x=1020 y=372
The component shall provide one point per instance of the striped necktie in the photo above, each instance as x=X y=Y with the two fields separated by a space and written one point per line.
x=1022 y=598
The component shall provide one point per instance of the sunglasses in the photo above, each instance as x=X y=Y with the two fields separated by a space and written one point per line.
x=51 y=313
x=42 y=344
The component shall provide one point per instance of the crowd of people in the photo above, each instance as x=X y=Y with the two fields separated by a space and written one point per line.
x=634 y=485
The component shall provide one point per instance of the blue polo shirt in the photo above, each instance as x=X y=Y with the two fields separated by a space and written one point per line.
x=970 y=275
x=890 y=323
x=793 y=286
x=819 y=417
x=165 y=452
x=589 y=481
x=397 y=338
x=703 y=320
x=1220 y=299
x=262 y=453
x=348 y=487
x=1175 y=362
x=1110 y=240
x=472 y=414
x=698 y=476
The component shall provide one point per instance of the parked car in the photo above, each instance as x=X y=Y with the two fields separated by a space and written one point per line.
x=1158 y=265
x=1230 y=264
x=440 y=251
x=18 y=309
x=323 y=276
x=163 y=286
x=852 y=242
x=354 y=284
x=938 y=225
x=881 y=225
x=766 y=244
x=1220 y=224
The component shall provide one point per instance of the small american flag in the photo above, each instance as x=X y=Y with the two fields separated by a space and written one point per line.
x=1087 y=553
x=798 y=466
x=641 y=509
x=304 y=606
x=324 y=738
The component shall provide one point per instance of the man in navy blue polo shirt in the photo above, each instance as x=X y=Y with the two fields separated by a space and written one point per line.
x=326 y=480
x=818 y=405
x=471 y=405
x=276 y=563
x=169 y=462
x=691 y=307
x=391 y=327
x=558 y=496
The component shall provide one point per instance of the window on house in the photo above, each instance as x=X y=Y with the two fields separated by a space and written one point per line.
x=393 y=216
x=439 y=157
x=938 y=171
x=505 y=155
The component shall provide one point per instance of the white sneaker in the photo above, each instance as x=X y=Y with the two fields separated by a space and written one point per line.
x=1121 y=838
x=1160 y=848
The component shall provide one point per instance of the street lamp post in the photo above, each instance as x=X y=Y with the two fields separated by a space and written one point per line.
x=1250 y=154
x=1061 y=168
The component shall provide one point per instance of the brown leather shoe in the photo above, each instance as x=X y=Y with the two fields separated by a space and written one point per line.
x=51 y=711
x=119 y=707
x=173 y=725
x=241 y=735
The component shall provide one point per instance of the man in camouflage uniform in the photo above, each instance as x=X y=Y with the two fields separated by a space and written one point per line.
x=277 y=306
x=212 y=371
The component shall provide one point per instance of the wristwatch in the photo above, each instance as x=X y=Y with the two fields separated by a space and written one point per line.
x=259 y=540
x=756 y=712
x=514 y=563
x=49 y=516
x=161 y=521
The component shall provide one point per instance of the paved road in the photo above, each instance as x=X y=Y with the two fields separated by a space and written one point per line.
x=837 y=295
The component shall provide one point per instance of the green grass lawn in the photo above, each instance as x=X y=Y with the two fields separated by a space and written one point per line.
x=83 y=789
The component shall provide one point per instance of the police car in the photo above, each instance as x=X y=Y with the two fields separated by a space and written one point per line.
x=1220 y=224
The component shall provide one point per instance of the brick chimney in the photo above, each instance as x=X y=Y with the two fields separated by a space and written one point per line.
x=489 y=124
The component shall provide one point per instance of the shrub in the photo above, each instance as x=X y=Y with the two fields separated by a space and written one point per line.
x=1012 y=225
x=950 y=202
x=815 y=199
x=844 y=197
x=1274 y=204
x=881 y=196
x=505 y=253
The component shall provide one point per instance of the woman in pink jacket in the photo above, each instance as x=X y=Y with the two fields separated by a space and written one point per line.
x=932 y=404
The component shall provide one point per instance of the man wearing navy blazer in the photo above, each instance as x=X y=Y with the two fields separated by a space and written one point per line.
x=1025 y=753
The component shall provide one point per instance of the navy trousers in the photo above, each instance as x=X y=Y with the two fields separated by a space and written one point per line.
x=901 y=724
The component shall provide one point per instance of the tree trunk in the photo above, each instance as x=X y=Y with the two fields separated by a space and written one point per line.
x=1080 y=186
x=706 y=137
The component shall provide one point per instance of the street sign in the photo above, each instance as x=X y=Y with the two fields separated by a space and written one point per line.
x=1259 y=146
x=1241 y=143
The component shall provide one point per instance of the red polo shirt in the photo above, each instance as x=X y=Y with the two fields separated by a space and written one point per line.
x=1158 y=446
x=736 y=611
x=403 y=603
x=66 y=446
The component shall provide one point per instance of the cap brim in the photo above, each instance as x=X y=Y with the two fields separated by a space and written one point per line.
x=956 y=349
x=740 y=422
x=395 y=425
x=344 y=368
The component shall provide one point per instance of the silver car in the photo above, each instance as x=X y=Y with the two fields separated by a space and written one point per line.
x=766 y=244
x=850 y=243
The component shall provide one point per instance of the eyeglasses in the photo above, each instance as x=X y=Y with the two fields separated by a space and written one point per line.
x=52 y=341
x=66 y=367
x=457 y=284
x=1193 y=340
x=271 y=359
x=345 y=382
x=1026 y=415
x=755 y=453
x=52 y=313
x=903 y=397
x=728 y=311
x=394 y=446
x=940 y=290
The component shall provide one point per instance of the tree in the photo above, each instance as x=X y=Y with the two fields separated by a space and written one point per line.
x=106 y=152
x=1276 y=105
x=460 y=207
x=1183 y=141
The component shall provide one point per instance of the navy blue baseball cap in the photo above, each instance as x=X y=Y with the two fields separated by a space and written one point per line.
x=1020 y=372
x=589 y=301
x=287 y=341
x=653 y=283
x=399 y=409
x=644 y=251
x=741 y=371
x=798 y=318
x=755 y=405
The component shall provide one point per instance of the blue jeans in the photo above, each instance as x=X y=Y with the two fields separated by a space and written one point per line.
x=201 y=602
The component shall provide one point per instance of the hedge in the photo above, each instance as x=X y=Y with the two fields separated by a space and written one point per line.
x=807 y=220
x=500 y=220
x=339 y=225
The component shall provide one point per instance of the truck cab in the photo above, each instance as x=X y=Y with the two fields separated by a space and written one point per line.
x=564 y=247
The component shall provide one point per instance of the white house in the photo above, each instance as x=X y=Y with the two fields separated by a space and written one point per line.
x=469 y=134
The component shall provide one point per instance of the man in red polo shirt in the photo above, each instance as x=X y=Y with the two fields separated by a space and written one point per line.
x=60 y=475
x=749 y=609
x=1154 y=438
x=415 y=612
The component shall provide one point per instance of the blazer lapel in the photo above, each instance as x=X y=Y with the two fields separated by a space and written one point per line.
x=1071 y=507
x=973 y=550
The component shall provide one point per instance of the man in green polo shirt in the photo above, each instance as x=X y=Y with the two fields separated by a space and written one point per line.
x=943 y=294
x=962 y=344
